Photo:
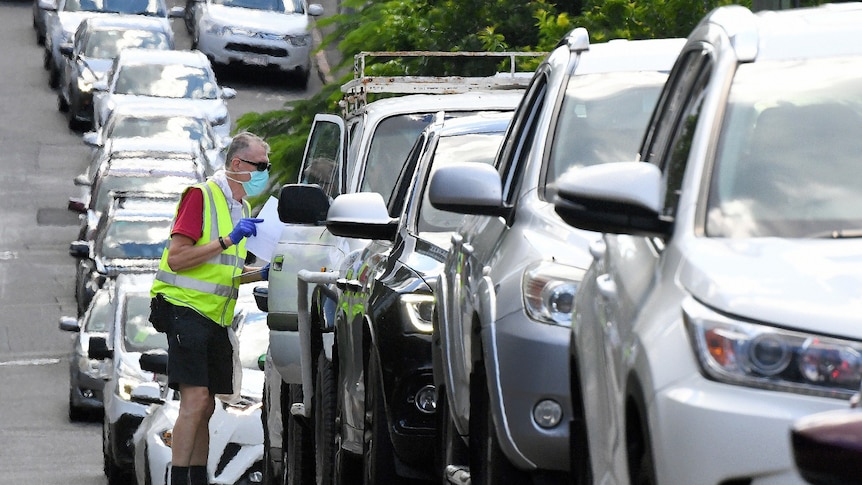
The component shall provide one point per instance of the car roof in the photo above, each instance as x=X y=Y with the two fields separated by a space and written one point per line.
x=157 y=56
x=823 y=31
x=622 y=55
x=485 y=122
x=125 y=22
x=429 y=103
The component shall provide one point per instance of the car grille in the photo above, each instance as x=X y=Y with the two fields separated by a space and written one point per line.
x=257 y=49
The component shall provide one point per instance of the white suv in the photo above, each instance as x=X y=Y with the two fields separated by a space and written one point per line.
x=723 y=301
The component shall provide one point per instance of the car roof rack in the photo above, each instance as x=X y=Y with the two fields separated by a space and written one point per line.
x=356 y=90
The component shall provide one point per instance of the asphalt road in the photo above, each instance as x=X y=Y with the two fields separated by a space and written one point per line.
x=39 y=156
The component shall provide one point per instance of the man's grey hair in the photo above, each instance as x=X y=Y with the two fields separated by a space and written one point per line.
x=240 y=142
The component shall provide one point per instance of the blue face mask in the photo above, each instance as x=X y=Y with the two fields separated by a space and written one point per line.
x=256 y=183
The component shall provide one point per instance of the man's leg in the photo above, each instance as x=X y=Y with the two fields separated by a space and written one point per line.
x=196 y=407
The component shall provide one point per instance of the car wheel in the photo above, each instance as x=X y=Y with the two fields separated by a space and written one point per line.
x=298 y=446
x=641 y=464
x=53 y=76
x=271 y=475
x=347 y=467
x=300 y=77
x=46 y=59
x=379 y=455
x=451 y=449
x=488 y=464
x=112 y=471
x=62 y=105
x=188 y=18
x=76 y=413
x=148 y=478
x=324 y=421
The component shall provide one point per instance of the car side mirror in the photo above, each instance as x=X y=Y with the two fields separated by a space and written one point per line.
x=361 y=215
x=48 y=5
x=91 y=138
x=69 y=324
x=99 y=349
x=100 y=85
x=155 y=361
x=79 y=249
x=311 y=210
x=66 y=50
x=228 y=93
x=261 y=297
x=826 y=446
x=176 y=12
x=81 y=181
x=315 y=10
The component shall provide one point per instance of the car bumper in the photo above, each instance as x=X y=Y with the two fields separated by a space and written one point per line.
x=532 y=364
x=86 y=390
x=709 y=432
x=255 y=52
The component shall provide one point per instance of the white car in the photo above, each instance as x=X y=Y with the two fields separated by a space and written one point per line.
x=722 y=303
x=236 y=430
x=182 y=79
x=63 y=18
x=266 y=33
x=148 y=122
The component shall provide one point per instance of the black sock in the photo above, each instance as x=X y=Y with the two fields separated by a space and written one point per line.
x=179 y=475
x=198 y=475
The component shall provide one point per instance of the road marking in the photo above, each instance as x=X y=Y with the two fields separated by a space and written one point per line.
x=29 y=362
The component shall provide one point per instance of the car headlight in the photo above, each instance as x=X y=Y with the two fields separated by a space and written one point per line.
x=94 y=368
x=214 y=28
x=757 y=355
x=219 y=119
x=167 y=437
x=419 y=309
x=549 y=292
x=302 y=40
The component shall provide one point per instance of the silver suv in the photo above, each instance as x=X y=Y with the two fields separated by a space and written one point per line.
x=504 y=296
x=722 y=303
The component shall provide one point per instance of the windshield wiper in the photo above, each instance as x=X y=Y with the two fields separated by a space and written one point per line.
x=837 y=234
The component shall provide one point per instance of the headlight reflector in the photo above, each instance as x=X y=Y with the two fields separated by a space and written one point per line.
x=549 y=292
x=419 y=309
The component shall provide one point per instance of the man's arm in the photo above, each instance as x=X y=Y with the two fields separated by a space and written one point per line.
x=183 y=254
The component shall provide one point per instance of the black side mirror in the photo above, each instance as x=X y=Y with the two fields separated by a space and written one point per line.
x=99 y=349
x=155 y=361
x=826 y=447
x=79 y=249
x=261 y=297
x=302 y=204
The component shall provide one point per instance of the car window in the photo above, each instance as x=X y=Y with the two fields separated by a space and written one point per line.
x=473 y=148
x=99 y=316
x=106 y=44
x=521 y=133
x=787 y=157
x=390 y=143
x=138 y=333
x=166 y=81
x=324 y=150
x=280 y=6
x=135 y=239
x=602 y=119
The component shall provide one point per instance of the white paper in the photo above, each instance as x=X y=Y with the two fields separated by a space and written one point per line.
x=268 y=231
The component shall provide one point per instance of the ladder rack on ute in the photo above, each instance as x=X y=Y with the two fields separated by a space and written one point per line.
x=356 y=90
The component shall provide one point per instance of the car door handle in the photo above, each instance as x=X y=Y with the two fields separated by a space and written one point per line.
x=354 y=285
x=467 y=249
x=606 y=286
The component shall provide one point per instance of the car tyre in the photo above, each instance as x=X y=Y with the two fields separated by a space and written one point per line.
x=76 y=413
x=347 y=467
x=53 y=76
x=272 y=475
x=62 y=105
x=298 y=446
x=379 y=455
x=112 y=470
x=488 y=464
x=324 y=421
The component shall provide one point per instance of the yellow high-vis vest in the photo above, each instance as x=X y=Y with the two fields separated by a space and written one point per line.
x=211 y=288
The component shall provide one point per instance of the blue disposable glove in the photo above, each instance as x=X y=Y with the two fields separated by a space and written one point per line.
x=244 y=228
x=264 y=272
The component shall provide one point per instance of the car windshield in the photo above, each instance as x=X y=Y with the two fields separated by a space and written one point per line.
x=138 y=333
x=282 y=6
x=175 y=127
x=787 y=161
x=392 y=141
x=135 y=238
x=144 y=7
x=166 y=81
x=99 y=318
x=474 y=147
x=138 y=183
x=106 y=44
x=602 y=119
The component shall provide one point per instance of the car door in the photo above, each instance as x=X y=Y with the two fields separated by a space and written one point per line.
x=627 y=268
x=471 y=291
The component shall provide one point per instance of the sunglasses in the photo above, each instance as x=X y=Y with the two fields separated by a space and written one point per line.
x=261 y=166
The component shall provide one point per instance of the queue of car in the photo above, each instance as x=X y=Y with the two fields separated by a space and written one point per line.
x=157 y=121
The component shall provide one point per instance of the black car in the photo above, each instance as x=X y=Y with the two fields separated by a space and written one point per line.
x=382 y=368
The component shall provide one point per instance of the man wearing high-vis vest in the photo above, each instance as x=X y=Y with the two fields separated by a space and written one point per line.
x=195 y=291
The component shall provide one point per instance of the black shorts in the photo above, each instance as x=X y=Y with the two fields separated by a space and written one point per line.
x=199 y=352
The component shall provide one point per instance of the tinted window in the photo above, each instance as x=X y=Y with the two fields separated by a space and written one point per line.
x=390 y=143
